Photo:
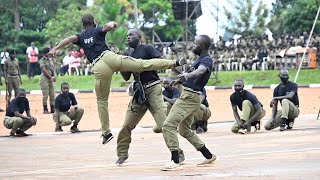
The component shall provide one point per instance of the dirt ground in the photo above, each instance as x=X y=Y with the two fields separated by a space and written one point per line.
x=291 y=154
x=118 y=102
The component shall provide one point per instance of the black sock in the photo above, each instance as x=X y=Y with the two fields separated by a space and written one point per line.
x=205 y=152
x=175 y=156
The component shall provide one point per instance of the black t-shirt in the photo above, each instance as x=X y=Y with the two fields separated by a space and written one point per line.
x=63 y=103
x=145 y=52
x=282 y=91
x=198 y=83
x=17 y=106
x=93 y=42
x=237 y=99
x=174 y=93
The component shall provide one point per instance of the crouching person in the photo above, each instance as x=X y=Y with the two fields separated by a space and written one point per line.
x=15 y=120
x=64 y=113
x=252 y=111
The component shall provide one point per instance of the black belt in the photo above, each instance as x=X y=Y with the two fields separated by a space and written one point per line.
x=98 y=58
x=191 y=90
x=150 y=84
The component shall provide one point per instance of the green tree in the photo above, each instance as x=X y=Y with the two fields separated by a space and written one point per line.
x=166 y=27
x=116 y=10
x=246 y=17
x=294 y=16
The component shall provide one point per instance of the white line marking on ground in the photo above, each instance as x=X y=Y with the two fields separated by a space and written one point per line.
x=47 y=171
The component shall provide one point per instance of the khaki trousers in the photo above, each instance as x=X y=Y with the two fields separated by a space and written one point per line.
x=66 y=118
x=47 y=89
x=289 y=111
x=181 y=117
x=247 y=112
x=103 y=71
x=16 y=123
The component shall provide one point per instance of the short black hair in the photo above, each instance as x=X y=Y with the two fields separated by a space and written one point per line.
x=206 y=41
x=22 y=91
x=45 y=50
x=240 y=81
x=87 y=20
x=11 y=51
x=138 y=31
x=63 y=84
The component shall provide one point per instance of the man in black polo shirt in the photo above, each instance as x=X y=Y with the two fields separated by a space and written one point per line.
x=152 y=88
x=64 y=113
x=105 y=63
x=252 y=111
x=15 y=120
x=286 y=93
x=182 y=112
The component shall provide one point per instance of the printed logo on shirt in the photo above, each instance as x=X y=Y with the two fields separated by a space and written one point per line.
x=89 y=40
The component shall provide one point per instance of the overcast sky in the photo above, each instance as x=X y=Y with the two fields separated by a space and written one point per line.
x=207 y=24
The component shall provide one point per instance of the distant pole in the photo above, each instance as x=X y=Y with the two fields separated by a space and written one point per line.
x=217 y=18
x=135 y=14
x=153 y=20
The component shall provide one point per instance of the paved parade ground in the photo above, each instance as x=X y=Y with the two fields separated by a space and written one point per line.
x=291 y=154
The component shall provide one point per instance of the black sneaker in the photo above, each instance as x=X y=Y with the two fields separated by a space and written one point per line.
x=21 y=133
x=106 y=138
x=121 y=160
x=74 y=129
x=282 y=128
x=257 y=126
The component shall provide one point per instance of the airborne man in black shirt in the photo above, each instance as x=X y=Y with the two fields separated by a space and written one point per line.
x=105 y=63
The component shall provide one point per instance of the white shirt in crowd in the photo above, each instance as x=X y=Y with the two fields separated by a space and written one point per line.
x=4 y=56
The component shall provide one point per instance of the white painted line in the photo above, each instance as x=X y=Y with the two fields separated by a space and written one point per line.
x=314 y=85
x=74 y=91
x=247 y=86
x=35 y=92
x=48 y=171
x=210 y=88
x=273 y=86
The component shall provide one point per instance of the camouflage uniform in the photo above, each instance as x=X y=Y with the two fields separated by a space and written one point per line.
x=46 y=84
x=12 y=76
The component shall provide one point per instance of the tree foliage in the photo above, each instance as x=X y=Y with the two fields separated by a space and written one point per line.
x=246 y=17
x=294 y=16
x=166 y=27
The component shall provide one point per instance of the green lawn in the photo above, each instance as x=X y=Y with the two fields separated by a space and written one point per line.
x=226 y=78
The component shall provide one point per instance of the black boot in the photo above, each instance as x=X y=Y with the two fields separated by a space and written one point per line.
x=283 y=124
x=52 y=108
x=45 y=109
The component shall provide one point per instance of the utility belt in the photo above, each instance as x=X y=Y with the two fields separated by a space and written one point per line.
x=150 y=84
x=12 y=75
x=191 y=90
x=98 y=58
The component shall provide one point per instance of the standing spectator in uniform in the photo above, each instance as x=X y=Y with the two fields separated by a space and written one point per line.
x=286 y=94
x=252 y=111
x=32 y=59
x=105 y=63
x=15 y=120
x=182 y=112
x=152 y=88
x=47 y=80
x=12 y=74
x=64 y=113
